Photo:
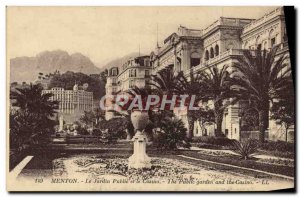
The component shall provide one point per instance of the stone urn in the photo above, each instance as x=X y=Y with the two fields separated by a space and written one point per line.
x=139 y=120
x=139 y=159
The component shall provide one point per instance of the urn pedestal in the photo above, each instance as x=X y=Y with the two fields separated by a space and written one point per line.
x=139 y=159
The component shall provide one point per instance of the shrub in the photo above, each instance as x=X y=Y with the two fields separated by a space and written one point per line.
x=215 y=141
x=116 y=127
x=172 y=135
x=97 y=132
x=245 y=148
x=280 y=146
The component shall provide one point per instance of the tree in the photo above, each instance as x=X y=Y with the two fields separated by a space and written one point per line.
x=165 y=82
x=205 y=116
x=171 y=135
x=30 y=99
x=191 y=86
x=31 y=122
x=215 y=86
x=283 y=111
x=103 y=76
x=260 y=77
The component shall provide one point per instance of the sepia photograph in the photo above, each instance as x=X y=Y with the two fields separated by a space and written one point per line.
x=150 y=99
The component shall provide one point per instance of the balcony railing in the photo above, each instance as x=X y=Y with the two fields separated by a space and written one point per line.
x=236 y=22
x=268 y=16
x=226 y=54
x=233 y=52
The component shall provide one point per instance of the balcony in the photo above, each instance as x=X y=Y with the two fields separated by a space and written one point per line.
x=222 y=56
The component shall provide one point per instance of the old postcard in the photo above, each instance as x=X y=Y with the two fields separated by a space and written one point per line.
x=150 y=99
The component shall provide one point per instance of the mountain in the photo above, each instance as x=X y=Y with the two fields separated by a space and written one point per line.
x=118 y=61
x=28 y=68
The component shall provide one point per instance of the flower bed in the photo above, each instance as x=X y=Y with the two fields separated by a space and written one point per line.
x=95 y=167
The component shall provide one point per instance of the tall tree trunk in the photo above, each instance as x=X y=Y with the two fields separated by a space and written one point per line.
x=263 y=117
x=191 y=121
x=219 y=120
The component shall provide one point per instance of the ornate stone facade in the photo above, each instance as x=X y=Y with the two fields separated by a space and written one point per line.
x=219 y=44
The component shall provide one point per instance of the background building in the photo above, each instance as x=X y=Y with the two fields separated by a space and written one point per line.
x=72 y=103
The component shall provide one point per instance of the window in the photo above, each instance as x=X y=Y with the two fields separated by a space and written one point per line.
x=211 y=53
x=259 y=47
x=114 y=81
x=132 y=73
x=206 y=55
x=195 y=59
x=131 y=84
x=217 y=50
x=147 y=63
x=147 y=73
x=273 y=42
x=195 y=62
x=226 y=132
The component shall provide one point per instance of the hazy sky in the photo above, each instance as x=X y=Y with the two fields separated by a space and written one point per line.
x=105 y=33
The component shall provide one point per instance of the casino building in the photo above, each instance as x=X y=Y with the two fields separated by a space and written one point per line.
x=219 y=44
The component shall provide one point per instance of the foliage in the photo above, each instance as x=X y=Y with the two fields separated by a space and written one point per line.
x=165 y=82
x=245 y=148
x=278 y=146
x=283 y=111
x=103 y=76
x=205 y=116
x=31 y=123
x=193 y=85
x=115 y=127
x=92 y=117
x=249 y=117
x=97 y=132
x=259 y=78
x=216 y=88
x=172 y=135
x=68 y=79
x=253 y=164
x=216 y=141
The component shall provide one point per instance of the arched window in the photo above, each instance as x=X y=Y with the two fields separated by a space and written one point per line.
x=212 y=52
x=216 y=50
x=195 y=59
x=206 y=55
x=272 y=37
x=258 y=43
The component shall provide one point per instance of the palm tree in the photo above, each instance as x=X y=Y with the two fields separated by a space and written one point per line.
x=260 y=77
x=165 y=82
x=191 y=86
x=31 y=122
x=30 y=99
x=214 y=84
